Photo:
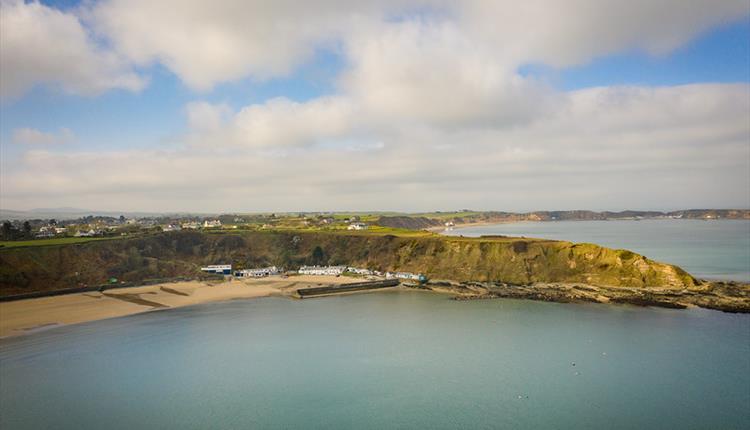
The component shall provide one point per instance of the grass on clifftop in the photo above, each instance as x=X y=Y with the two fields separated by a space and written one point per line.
x=373 y=230
x=52 y=241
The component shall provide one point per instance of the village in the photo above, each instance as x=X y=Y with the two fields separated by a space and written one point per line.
x=105 y=226
x=330 y=279
x=341 y=270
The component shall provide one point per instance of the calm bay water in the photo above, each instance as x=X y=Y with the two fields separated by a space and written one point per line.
x=706 y=249
x=384 y=360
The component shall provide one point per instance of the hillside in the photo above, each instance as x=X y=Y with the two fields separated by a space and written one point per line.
x=509 y=260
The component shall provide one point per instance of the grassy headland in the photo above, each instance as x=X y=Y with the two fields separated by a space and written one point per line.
x=511 y=260
x=492 y=261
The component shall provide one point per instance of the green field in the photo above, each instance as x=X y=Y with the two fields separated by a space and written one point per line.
x=53 y=241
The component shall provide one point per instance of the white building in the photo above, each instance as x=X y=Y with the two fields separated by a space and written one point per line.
x=360 y=271
x=192 y=225
x=220 y=269
x=171 y=227
x=257 y=273
x=322 y=270
x=404 y=275
x=82 y=233
x=213 y=223
x=357 y=226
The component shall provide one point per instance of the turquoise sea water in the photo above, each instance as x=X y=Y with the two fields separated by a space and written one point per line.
x=706 y=249
x=384 y=360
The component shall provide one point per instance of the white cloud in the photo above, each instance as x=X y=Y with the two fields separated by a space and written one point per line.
x=418 y=71
x=603 y=148
x=206 y=43
x=209 y=43
x=31 y=136
x=430 y=112
x=277 y=123
x=204 y=116
x=568 y=32
x=39 y=44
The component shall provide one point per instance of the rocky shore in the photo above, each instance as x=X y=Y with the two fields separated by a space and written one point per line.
x=730 y=296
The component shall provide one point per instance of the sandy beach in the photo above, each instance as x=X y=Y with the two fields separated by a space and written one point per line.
x=26 y=316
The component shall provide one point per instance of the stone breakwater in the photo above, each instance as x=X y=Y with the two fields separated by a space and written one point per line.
x=345 y=288
x=724 y=296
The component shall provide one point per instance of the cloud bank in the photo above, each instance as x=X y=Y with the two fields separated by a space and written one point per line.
x=31 y=136
x=430 y=110
x=42 y=45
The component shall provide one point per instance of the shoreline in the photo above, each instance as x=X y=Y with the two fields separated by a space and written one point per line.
x=729 y=297
x=28 y=316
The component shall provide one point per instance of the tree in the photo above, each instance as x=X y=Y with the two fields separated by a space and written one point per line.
x=317 y=256
x=26 y=229
x=8 y=230
x=122 y=218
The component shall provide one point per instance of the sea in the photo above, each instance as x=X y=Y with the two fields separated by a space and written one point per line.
x=390 y=360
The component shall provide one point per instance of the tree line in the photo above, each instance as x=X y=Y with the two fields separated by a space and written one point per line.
x=10 y=232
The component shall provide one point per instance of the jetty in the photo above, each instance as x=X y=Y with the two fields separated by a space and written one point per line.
x=304 y=293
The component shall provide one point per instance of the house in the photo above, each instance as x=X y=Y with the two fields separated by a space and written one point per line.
x=361 y=271
x=51 y=230
x=322 y=270
x=213 y=223
x=257 y=273
x=171 y=227
x=82 y=233
x=219 y=269
x=48 y=231
x=406 y=275
x=192 y=225
x=357 y=226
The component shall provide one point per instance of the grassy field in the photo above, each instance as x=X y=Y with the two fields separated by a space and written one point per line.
x=52 y=241
x=373 y=230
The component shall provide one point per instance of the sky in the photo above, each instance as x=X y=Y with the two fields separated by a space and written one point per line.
x=413 y=105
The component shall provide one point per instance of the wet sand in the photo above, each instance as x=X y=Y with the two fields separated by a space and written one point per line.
x=26 y=316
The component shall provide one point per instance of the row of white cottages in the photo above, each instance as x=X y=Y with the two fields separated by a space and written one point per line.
x=226 y=269
x=338 y=270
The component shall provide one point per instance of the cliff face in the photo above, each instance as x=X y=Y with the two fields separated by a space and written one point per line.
x=508 y=260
